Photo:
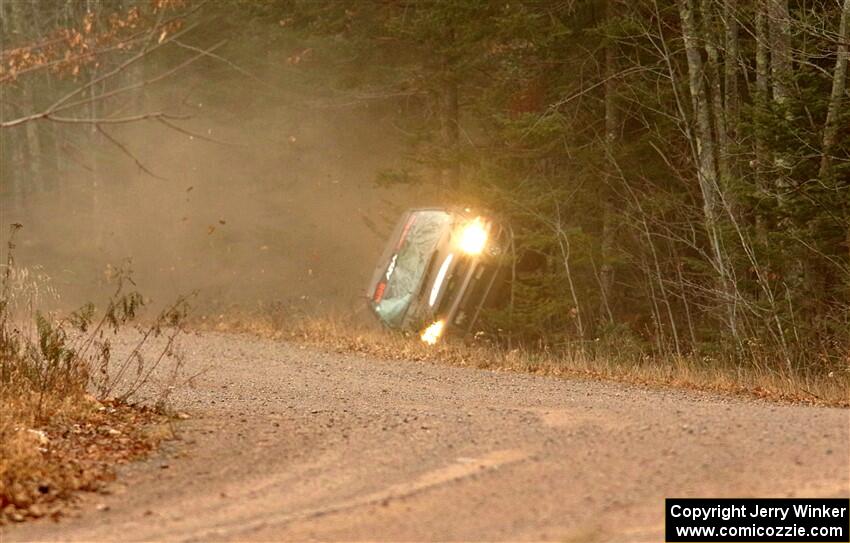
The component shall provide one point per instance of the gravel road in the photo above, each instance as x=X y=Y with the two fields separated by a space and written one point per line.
x=289 y=443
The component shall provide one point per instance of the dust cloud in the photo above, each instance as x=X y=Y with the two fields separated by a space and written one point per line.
x=266 y=199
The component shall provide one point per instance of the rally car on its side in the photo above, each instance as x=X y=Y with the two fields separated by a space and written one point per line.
x=439 y=269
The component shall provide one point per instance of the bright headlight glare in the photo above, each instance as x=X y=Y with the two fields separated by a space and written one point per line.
x=431 y=334
x=473 y=237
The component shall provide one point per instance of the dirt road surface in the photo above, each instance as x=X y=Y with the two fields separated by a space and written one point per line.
x=288 y=443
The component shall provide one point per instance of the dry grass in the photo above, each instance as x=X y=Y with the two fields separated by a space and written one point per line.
x=55 y=437
x=758 y=379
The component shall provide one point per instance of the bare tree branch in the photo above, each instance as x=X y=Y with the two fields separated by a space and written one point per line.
x=127 y=152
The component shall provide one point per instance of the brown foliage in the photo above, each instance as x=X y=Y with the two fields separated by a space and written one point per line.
x=66 y=51
x=56 y=438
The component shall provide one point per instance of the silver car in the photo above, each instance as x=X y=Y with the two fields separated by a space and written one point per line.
x=438 y=271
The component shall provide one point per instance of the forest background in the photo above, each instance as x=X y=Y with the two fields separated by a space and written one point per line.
x=676 y=173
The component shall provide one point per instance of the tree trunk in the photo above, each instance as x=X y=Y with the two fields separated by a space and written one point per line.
x=33 y=140
x=13 y=180
x=761 y=102
x=94 y=143
x=35 y=157
x=780 y=68
x=18 y=174
x=839 y=86
x=706 y=165
x=830 y=129
x=606 y=278
x=715 y=92
x=794 y=268
x=730 y=71
x=780 y=48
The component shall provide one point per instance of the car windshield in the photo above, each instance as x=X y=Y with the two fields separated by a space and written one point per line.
x=407 y=265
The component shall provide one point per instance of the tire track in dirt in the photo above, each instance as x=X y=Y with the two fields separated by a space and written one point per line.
x=290 y=443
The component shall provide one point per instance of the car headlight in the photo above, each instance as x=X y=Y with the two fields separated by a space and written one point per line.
x=431 y=334
x=473 y=237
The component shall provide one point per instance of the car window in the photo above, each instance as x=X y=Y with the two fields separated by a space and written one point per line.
x=407 y=265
